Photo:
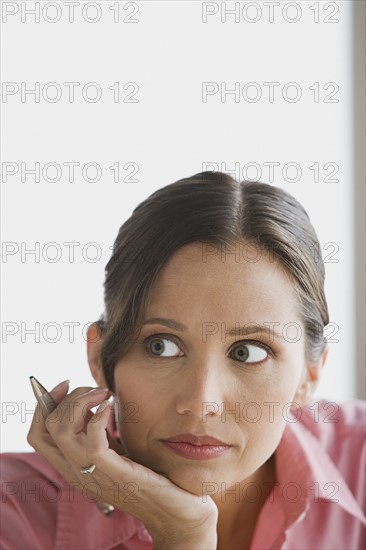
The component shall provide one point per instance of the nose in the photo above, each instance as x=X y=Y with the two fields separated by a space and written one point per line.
x=202 y=389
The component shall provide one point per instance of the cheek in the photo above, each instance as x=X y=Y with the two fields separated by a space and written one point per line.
x=266 y=407
x=136 y=411
x=130 y=390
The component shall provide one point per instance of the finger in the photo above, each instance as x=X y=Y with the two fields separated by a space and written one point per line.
x=71 y=396
x=59 y=391
x=97 y=442
x=67 y=405
x=38 y=427
x=40 y=437
x=43 y=443
x=72 y=415
x=115 y=443
x=69 y=430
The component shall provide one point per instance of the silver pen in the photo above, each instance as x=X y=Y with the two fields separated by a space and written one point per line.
x=48 y=404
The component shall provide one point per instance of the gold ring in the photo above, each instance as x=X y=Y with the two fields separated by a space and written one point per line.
x=88 y=469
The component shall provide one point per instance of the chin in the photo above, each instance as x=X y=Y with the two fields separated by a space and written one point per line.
x=198 y=479
x=190 y=482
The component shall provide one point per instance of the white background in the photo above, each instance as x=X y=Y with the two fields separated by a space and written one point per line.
x=168 y=133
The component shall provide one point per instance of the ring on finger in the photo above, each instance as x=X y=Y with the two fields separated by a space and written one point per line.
x=87 y=469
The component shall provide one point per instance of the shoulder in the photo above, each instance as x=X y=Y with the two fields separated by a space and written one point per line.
x=330 y=421
x=340 y=429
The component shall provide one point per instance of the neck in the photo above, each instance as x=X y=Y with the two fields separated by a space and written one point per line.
x=240 y=506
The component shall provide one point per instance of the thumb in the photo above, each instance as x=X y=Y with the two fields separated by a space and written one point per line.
x=60 y=391
x=47 y=401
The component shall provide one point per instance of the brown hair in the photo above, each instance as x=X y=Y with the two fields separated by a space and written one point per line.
x=212 y=208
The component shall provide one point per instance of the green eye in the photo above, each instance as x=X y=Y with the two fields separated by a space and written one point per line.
x=246 y=352
x=156 y=347
x=257 y=353
x=241 y=353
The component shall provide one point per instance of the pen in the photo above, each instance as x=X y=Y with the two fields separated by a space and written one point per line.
x=48 y=404
x=45 y=399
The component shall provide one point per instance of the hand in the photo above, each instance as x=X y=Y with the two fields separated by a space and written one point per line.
x=72 y=436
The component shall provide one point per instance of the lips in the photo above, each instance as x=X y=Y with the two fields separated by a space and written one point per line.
x=198 y=440
x=196 y=447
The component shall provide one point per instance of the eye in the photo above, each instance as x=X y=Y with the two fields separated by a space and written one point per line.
x=249 y=351
x=159 y=346
x=255 y=351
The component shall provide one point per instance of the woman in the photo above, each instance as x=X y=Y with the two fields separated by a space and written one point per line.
x=212 y=345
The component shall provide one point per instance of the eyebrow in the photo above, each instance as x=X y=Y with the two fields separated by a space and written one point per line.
x=236 y=331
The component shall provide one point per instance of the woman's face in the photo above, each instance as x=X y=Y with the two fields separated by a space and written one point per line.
x=203 y=380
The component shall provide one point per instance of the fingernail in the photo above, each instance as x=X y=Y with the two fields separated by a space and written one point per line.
x=61 y=385
x=98 y=390
x=111 y=399
x=105 y=404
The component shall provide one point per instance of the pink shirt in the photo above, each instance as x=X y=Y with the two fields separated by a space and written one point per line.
x=319 y=502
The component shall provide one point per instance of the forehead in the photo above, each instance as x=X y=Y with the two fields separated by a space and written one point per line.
x=205 y=282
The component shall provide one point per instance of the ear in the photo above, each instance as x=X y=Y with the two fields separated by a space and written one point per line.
x=310 y=379
x=94 y=346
